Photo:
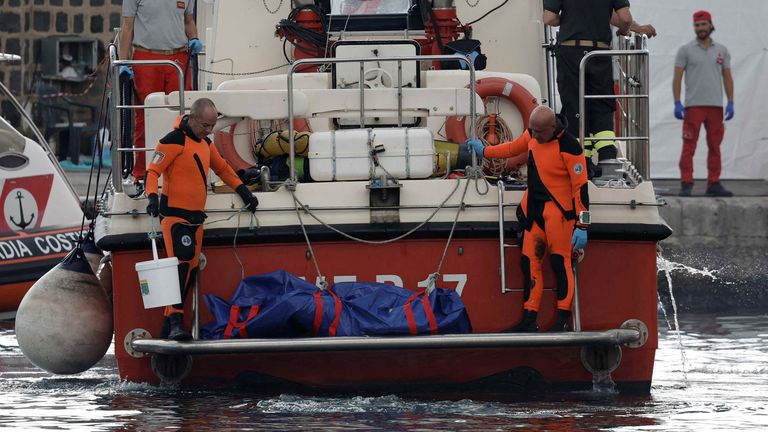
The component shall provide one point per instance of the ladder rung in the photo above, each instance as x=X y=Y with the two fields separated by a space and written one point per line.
x=508 y=245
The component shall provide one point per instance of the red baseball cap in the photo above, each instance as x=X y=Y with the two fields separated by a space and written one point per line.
x=702 y=15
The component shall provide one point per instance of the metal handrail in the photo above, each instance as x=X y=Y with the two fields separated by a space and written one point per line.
x=641 y=52
x=399 y=59
x=618 y=336
x=116 y=126
x=502 y=240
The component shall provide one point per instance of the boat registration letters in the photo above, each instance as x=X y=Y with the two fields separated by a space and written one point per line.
x=460 y=279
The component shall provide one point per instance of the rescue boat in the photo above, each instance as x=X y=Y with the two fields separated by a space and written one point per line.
x=42 y=216
x=366 y=202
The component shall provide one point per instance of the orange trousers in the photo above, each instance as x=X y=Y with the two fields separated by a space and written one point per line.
x=151 y=79
x=184 y=241
x=553 y=239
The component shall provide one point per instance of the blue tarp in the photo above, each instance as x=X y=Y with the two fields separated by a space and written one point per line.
x=280 y=305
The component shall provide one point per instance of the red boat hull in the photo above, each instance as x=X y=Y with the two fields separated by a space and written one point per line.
x=608 y=294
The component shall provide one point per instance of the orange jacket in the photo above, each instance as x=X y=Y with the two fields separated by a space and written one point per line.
x=184 y=160
x=557 y=170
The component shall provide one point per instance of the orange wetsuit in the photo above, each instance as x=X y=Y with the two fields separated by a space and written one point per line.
x=557 y=192
x=184 y=160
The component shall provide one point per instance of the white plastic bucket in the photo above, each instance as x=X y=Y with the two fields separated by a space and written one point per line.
x=159 y=280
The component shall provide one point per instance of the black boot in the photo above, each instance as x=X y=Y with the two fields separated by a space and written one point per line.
x=177 y=331
x=593 y=170
x=166 y=328
x=527 y=324
x=561 y=324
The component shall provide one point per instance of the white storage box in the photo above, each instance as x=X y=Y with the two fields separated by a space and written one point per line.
x=346 y=154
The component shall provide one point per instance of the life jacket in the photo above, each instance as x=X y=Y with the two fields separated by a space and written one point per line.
x=184 y=160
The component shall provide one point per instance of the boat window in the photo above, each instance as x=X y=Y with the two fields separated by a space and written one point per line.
x=13 y=161
x=10 y=139
x=373 y=15
x=369 y=7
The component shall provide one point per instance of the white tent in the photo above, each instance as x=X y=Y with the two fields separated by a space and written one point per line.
x=740 y=27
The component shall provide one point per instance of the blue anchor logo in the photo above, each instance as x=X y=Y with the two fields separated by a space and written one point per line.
x=22 y=223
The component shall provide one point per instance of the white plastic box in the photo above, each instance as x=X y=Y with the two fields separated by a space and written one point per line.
x=346 y=154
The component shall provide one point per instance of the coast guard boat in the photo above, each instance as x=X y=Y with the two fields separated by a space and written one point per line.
x=42 y=216
x=356 y=113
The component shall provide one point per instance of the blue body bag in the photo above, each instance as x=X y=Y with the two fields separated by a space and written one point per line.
x=281 y=305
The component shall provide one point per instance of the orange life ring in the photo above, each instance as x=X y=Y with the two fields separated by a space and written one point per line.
x=525 y=102
x=225 y=143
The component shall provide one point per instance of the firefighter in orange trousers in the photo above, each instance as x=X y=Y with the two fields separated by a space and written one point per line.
x=183 y=158
x=554 y=211
x=156 y=30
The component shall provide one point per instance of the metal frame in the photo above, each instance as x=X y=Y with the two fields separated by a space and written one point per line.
x=365 y=343
x=116 y=126
x=641 y=69
x=399 y=59
x=502 y=242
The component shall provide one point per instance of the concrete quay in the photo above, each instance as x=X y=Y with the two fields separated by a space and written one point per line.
x=718 y=252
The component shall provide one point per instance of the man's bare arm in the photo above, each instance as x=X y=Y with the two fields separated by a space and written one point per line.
x=676 y=81
x=622 y=19
x=126 y=37
x=551 y=18
x=728 y=83
x=190 y=28
x=645 y=29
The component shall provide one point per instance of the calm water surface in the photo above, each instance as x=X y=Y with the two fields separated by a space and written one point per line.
x=717 y=381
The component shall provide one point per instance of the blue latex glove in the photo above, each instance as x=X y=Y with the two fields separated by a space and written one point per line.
x=579 y=239
x=729 y=111
x=679 y=110
x=126 y=69
x=476 y=146
x=195 y=46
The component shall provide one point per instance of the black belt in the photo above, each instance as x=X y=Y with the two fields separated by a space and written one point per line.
x=585 y=43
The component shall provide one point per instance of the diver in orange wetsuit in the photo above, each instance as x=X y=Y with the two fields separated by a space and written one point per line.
x=554 y=211
x=183 y=158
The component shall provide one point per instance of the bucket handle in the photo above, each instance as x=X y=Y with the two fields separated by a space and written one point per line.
x=153 y=238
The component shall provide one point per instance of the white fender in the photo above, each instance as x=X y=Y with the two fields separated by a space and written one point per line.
x=64 y=322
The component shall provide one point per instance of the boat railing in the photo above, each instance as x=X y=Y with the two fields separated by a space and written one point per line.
x=399 y=59
x=116 y=125
x=633 y=99
x=630 y=333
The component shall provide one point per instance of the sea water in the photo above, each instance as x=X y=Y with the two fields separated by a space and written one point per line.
x=725 y=387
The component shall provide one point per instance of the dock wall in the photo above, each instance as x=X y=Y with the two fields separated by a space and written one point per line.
x=724 y=244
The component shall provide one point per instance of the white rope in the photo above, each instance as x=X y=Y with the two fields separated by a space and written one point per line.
x=322 y=283
x=375 y=242
x=251 y=226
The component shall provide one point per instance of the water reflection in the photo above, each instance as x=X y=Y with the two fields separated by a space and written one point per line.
x=726 y=388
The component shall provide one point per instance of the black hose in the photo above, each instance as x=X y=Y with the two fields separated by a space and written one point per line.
x=89 y=208
x=488 y=13
x=126 y=123
x=293 y=31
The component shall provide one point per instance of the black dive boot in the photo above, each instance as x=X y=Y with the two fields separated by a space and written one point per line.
x=527 y=324
x=177 y=331
x=561 y=324
x=166 y=328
